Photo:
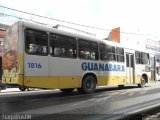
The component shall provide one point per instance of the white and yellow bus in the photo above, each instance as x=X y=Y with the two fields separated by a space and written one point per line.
x=38 y=56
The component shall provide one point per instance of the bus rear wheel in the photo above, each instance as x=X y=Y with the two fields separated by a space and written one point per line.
x=88 y=85
x=143 y=82
x=22 y=88
x=67 y=91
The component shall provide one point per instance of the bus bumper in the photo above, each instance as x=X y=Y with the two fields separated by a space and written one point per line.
x=13 y=80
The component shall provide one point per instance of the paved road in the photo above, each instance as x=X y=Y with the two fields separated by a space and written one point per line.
x=105 y=103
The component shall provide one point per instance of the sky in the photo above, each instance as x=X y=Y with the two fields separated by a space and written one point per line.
x=132 y=16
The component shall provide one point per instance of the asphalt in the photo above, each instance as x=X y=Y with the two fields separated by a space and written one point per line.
x=90 y=101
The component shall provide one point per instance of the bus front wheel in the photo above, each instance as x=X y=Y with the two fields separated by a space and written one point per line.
x=22 y=88
x=67 y=91
x=143 y=82
x=88 y=85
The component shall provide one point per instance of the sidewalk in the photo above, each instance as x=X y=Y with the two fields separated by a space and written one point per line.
x=155 y=84
x=10 y=90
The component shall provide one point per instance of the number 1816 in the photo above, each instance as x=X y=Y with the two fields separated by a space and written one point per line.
x=34 y=65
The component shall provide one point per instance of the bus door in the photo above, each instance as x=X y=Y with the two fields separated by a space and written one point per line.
x=153 y=68
x=130 y=68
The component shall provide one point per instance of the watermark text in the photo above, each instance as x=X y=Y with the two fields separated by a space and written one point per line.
x=16 y=117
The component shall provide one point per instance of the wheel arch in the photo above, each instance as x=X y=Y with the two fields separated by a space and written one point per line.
x=89 y=73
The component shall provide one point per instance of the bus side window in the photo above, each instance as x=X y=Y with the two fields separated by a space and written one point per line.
x=145 y=58
x=35 y=42
x=88 y=50
x=120 y=54
x=107 y=52
x=62 y=46
x=138 y=57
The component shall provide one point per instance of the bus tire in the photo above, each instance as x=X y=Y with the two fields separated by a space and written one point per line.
x=67 y=91
x=88 y=84
x=143 y=82
x=22 y=88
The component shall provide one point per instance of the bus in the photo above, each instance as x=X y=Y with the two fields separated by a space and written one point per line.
x=39 y=56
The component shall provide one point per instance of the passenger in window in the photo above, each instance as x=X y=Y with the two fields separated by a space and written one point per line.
x=68 y=53
x=56 y=51
x=31 y=49
x=88 y=56
x=27 y=49
x=38 y=49
x=61 y=52
x=44 y=49
x=82 y=55
x=74 y=54
x=110 y=58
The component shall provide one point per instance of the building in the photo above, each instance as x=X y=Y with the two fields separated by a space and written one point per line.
x=3 y=28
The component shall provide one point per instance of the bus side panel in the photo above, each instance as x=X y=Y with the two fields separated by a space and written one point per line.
x=109 y=73
x=41 y=81
x=111 y=80
x=67 y=70
x=36 y=71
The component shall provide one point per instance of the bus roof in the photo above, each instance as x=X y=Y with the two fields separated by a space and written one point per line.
x=51 y=29
x=55 y=30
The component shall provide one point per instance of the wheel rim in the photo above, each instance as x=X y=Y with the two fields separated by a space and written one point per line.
x=143 y=81
x=89 y=85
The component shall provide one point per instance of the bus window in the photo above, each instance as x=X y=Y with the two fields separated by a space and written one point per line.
x=88 y=50
x=127 y=60
x=120 y=54
x=36 y=42
x=145 y=58
x=62 y=46
x=138 y=57
x=107 y=52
